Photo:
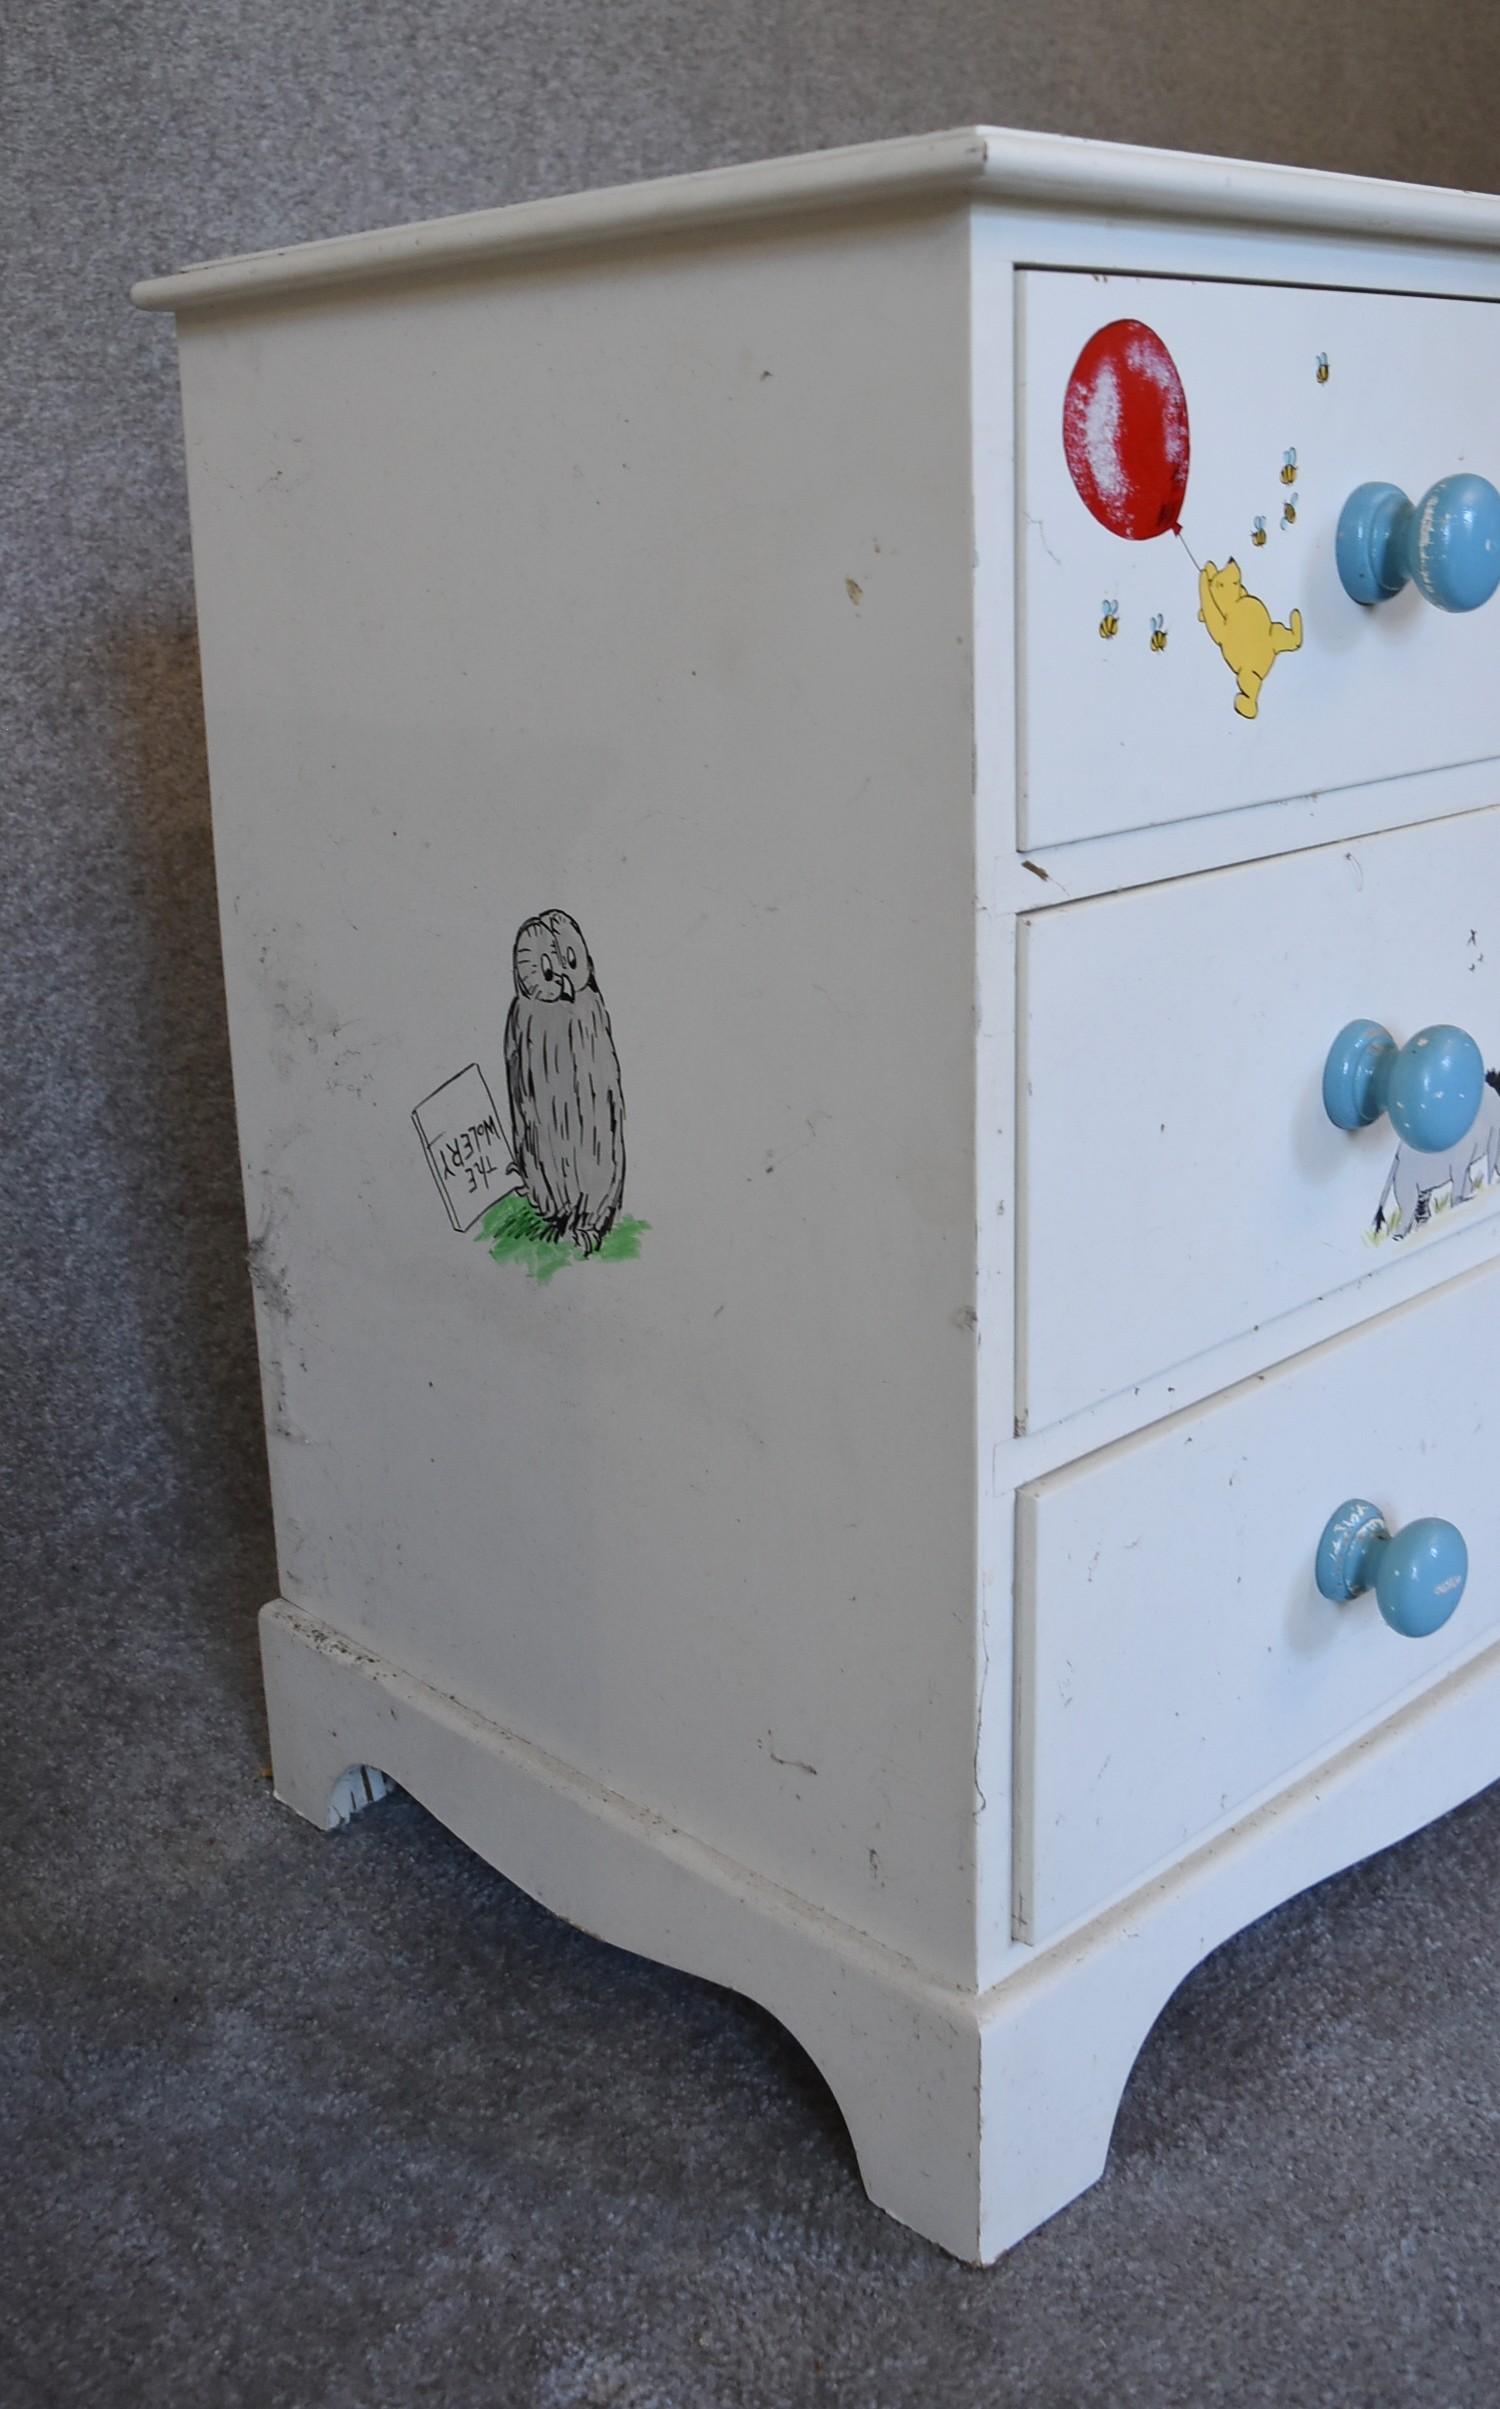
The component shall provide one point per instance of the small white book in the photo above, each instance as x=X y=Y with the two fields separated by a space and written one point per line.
x=466 y=1146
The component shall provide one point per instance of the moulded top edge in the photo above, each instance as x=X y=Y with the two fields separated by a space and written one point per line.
x=1051 y=170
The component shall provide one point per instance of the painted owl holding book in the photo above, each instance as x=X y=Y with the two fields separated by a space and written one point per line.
x=567 y=1107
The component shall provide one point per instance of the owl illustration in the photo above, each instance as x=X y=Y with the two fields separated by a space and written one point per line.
x=567 y=1112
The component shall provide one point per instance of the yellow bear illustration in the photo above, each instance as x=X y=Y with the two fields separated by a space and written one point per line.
x=1243 y=629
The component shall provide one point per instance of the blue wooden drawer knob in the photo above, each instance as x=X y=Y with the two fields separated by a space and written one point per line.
x=1432 y=1087
x=1447 y=545
x=1417 y=1574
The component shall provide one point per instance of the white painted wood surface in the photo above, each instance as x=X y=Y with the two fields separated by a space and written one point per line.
x=544 y=561
x=974 y=2115
x=1175 y=1660
x=1116 y=736
x=1180 y=1180
x=545 y=594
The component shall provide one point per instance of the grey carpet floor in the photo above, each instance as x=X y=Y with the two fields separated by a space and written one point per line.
x=292 y=2119
x=302 y=2118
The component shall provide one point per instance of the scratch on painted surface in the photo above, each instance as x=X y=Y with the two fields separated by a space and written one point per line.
x=267 y=1275
x=1041 y=530
x=1050 y=876
x=797 y=1764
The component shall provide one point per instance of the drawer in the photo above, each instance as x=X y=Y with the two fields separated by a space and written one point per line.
x=1176 y=1661
x=1272 y=403
x=1179 y=1181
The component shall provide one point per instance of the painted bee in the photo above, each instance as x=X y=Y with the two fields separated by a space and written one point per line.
x=1158 y=633
x=1109 y=623
x=1258 y=532
x=1322 y=368
x=1289 y=511
x=1289 y=466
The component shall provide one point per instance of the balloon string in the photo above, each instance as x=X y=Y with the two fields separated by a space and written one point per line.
x=1187 y=548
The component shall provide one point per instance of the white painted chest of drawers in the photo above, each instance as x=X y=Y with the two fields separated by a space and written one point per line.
x=812 y=1313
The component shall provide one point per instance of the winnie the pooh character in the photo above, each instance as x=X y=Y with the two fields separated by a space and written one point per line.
x=1243 y=629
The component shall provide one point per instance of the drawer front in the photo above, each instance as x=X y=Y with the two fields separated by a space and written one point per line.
x=1244 y=414
x=1180 y=1182
x=1176 y=1661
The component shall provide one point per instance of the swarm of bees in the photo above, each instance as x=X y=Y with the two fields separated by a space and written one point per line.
x=1109 y=621
x=1158 y=633
x=1258 y=532
x=1322 y=369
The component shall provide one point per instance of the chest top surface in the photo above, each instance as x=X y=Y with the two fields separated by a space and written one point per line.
x=1049 y=172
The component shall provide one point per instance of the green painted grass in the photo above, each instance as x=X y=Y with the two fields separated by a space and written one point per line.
x=513 y=1233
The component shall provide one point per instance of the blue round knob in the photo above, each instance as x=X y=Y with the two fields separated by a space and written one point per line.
x=1432 y=1087
x=1447 y=545
x=1418 y=1575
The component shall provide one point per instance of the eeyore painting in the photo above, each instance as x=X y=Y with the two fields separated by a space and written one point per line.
x=1416 y=1178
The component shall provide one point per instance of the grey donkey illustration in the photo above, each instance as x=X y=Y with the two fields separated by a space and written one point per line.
x=1416 y=1178
x=567 y=1110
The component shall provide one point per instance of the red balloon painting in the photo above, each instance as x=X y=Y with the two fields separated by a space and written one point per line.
x=1125 y=431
